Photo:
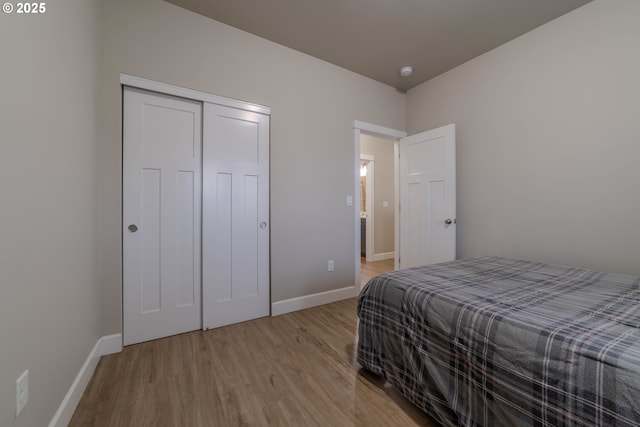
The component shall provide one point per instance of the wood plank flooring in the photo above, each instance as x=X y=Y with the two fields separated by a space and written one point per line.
x=370 y=269
x=296 y=369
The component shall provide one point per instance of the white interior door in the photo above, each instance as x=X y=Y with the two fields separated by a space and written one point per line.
x=428 y=197
x=161 y=215
x=235 y=247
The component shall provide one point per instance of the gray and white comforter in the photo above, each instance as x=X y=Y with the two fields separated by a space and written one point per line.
x=501 y=342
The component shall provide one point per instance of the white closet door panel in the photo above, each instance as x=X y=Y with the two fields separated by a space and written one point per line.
x=248 y=249
x=235 y=216
x=186 y=240
x=161 y=215
x=150 y=240
x=221 y=256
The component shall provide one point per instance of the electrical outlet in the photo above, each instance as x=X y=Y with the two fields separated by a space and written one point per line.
x=22 y=391
x=330 y=265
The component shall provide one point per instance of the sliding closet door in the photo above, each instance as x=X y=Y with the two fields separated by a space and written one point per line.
x=235 y=246
x=161 y=215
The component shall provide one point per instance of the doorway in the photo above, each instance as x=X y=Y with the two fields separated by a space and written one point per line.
x=386 y=136
x=425 y=187
x=379 y=191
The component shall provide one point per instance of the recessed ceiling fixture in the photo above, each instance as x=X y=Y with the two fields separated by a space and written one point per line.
x=406 y=71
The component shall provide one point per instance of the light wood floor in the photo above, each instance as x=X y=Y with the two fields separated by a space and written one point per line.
x=296 y=369
x=370 y=269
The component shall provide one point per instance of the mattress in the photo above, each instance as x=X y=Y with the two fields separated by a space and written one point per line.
x=501 y=342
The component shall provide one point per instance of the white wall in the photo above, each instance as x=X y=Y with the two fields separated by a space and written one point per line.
x=384 y=190
x=548 y=130
x=313 y=107
x=49 y=308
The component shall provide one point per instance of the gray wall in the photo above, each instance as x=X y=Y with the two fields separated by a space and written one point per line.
x=49 y=308
x=548 y=130
x=313 y=107
x=382 y=150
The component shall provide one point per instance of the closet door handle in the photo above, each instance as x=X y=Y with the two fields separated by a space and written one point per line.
x=132 y=228
x=448 y=221
x=263 y=224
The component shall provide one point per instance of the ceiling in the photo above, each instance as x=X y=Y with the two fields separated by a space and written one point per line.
x=376 y=38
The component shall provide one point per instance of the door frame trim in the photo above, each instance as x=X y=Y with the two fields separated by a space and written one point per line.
x=359 y=128
x=167 y=89
x=369 y=192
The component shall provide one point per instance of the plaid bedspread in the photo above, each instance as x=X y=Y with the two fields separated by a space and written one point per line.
x=501 y=342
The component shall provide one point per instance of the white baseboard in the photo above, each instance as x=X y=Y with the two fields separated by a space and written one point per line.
x=383 y=256
x=313 y=300
x=110 y=344
x=106 y=345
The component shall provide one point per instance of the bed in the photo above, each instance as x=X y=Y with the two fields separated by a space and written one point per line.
x=501 y=342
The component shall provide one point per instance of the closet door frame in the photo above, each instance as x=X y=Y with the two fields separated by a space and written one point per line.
x=167 y=89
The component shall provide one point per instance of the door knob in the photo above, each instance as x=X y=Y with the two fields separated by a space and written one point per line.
x=132 y=228
x=263 y=224
x=448 y=221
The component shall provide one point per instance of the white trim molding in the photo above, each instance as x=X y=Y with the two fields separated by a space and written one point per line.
x=384 y=255
x=140 y=83
x=370 y=194
x=356 y=210
x=313 y=300
x=106 y=345
x=380 y=131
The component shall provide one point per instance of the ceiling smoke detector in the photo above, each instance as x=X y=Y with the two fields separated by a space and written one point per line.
x=406 y=71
